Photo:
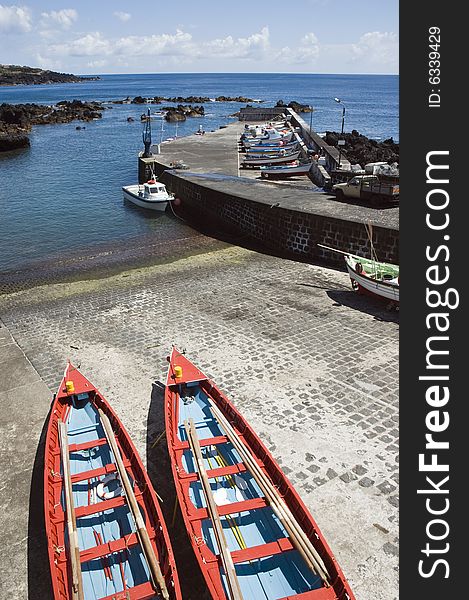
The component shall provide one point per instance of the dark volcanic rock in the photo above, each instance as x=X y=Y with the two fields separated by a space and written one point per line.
x=296 y=106
x=12 y=139
x=174 y=115
x=189 y=99
x=16 y=75
x=362 y=150
x=16 y=120
x=233 y=99
x=181 y=112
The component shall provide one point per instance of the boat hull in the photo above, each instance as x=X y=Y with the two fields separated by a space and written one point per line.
x=367 y=285
x=266 y=563
x=285 y=172
x=111 y=556
x=131 y=196
x=257 y=162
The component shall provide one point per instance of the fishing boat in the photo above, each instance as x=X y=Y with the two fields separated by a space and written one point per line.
x=105 y=531
x=270 y=160
x=271 y=149
x=152 y=195
x=285 y=171
x=274 y=138
x=370 y=276
x=252 y=535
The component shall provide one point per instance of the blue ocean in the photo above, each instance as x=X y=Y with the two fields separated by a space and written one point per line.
x=63 y=194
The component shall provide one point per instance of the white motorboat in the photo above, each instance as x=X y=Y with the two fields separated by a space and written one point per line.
x=151 y=195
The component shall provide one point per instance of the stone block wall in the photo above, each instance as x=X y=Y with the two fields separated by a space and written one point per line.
x=282 y=231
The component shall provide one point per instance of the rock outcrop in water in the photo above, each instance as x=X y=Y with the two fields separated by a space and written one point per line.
x=296 y=106
x=181 y=99
x=362 y=150
x=16 y=120
x=181 y=112
x=17 y=75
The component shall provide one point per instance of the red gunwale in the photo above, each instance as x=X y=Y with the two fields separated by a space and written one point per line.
x=208 y=562
x=146 y=497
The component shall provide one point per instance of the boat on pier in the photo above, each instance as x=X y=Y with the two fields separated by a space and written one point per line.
x=105 y=531
x=252 y=535
x=270 y=160
x=285 y=171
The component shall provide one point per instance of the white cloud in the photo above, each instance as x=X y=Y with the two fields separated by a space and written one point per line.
x=306 y=52
x=254 y=46
x=373 y=52
x=122 y=16
x=64 y=18
x=380 y=48
x=96 y=45
x=15 y=19
x=178 y=47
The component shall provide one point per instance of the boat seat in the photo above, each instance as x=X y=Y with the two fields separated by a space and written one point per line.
x=80 y=430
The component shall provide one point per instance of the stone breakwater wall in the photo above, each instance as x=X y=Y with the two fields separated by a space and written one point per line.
x=284 y=231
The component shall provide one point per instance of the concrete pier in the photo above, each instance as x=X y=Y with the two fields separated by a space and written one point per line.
x=216 y=191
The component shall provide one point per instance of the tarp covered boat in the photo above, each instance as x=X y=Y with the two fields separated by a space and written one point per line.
x=252 y=535
x=105 y=530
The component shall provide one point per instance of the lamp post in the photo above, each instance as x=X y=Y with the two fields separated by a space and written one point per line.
x=343 y=120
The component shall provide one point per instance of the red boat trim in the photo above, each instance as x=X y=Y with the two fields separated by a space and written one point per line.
x=109 y=548
x=87 y=445
x=220 y=472
x=230 y=509
x=213 y=441
x=92 y=509
x=94 y=473
x=143 y=591
x=262 y=551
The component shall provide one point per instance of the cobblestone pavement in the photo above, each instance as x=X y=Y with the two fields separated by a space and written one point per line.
x=311 y=365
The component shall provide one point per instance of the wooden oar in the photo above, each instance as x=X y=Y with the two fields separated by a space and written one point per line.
x=77 y=582
x=142 y=532
x=298 y=537
x=231 y=578
x=335 y=250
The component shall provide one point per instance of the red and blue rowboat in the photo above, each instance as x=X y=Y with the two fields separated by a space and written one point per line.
x=94 y=486
x=252 y=535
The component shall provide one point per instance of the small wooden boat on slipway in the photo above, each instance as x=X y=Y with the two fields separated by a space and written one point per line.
x=106 y=535
x=252 y=535
x=370 y=276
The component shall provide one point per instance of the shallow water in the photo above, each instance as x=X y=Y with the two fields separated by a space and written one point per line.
x=62 y=196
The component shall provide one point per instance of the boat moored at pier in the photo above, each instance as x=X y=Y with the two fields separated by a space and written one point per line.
x=151 y=195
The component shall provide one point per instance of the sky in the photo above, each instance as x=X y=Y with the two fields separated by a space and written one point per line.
x=205 y=36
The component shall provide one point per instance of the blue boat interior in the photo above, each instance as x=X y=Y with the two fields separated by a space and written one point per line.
x=268 y=578
x=115 y=572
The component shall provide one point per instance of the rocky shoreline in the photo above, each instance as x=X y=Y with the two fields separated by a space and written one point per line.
x=16 y=120
x=362 y=150
x=181 y=99
x=17 y=75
